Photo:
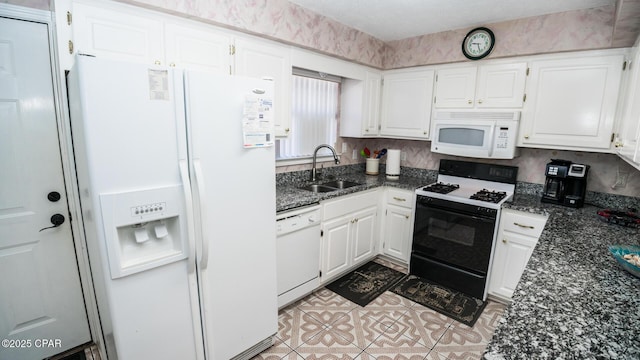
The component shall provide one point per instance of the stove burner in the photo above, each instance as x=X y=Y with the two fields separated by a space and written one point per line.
x=489 y=195
x=441 y=188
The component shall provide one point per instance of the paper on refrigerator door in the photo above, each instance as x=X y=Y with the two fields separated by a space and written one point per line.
x=257 y=122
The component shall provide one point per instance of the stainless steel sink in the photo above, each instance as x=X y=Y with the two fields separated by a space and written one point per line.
x=316 y=188
x=341 y=184
x=329 y=186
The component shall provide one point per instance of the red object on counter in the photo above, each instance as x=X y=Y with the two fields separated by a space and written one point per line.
x=624 y=218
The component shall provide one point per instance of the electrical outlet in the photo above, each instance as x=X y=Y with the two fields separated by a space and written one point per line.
x=344 y=147
x=354 y=155
x=403 y=156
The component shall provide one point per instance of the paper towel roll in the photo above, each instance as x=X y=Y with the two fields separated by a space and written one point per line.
x=393 y=164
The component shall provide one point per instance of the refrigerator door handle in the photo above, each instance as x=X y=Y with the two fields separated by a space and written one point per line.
x=186 y=186
x=203 y=256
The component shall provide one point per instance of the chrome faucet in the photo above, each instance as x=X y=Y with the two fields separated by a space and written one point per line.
x=315 y=154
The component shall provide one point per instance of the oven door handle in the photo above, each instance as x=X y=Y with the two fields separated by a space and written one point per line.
x=426 y=206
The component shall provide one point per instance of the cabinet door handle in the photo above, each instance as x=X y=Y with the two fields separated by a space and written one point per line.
x=480 y=101
x=504 y=241
x=399 y=199
x=407 y=216
x=524 y=226
x=157 y=62
x=526 y=136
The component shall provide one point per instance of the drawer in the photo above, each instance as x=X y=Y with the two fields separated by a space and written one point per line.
x=399 y=197
x=522 y=223
x=349 y=203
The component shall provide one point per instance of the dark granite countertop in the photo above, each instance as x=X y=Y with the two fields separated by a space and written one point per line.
x=573 y=300
x=290 y=196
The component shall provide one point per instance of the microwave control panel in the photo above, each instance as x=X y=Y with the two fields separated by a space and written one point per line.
x=502 y=139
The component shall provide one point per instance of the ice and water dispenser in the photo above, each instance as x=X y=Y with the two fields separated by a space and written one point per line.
x=144 y=229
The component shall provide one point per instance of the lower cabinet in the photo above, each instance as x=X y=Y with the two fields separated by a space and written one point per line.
x=397 y=231
x=349 y=233
x=518 y=234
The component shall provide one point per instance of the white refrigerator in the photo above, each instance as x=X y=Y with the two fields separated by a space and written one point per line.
x=176 y=178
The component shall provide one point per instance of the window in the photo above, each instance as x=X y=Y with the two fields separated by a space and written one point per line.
x=314 y=115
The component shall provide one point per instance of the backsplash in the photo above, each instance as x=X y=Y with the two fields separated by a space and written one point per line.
x=605 y=168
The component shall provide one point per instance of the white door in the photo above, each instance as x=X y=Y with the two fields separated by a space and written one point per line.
x=397 y=235
x=335 y=247
x=364 y=235
x=406 y=104
x=40 y=294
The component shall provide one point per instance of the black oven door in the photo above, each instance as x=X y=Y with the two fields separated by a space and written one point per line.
x=455 y=234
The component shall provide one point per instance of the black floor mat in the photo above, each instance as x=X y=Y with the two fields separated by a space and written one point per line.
x=365 y=283
x=454 y=304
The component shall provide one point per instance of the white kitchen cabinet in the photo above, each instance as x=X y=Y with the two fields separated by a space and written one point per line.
x=518 y=234
x=364 y=235
x=397 y=227
x=198 y=48
x=627 y=141
x=406 y=104
x=360 y=106
x=336 y=247
x=349 y=233
x=118 y=31
x=270 y=61
x=571 y=102
x=486 y=86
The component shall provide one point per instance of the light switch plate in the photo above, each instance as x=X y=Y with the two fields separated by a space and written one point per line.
x=344 y=147
x=354 y=155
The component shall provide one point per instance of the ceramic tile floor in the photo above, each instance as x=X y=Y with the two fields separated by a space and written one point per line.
x=327 y=326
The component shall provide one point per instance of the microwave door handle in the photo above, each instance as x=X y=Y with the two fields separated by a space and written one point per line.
x=493 y=140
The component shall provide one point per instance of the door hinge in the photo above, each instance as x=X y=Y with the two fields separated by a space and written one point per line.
x=230 y=73
x=527 y=74
x=321 y=233
x=70 y=47
x=524 y=97
x=382 y=82
x=383 y=244
x=379 y=127
x=434 y=99
x=624 y=65
x=319 y=273
x=69 y=18
x=232 y=49
x=436 y=77
x=386 y=212
x=613 y=136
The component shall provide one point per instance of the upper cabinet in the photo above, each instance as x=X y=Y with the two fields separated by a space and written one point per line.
x=120 y=32
x=124 y=32
x=269 y=61
x=360 y=106
x=572 y=102
x=627 y=140
x=485 y=86
x=198 y=48
x=406 y=104
x=117 y=32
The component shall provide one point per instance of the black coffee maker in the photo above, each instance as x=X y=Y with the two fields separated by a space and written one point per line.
x=566 y=183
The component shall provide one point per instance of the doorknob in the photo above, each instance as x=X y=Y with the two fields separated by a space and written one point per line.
x=56 y=220
x=53 y=196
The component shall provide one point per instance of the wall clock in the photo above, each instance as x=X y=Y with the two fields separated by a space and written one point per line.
x=478 y=43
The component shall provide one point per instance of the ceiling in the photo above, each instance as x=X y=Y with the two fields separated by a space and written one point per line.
x=399 y=19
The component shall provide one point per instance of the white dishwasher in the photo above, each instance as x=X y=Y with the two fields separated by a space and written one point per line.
x=298 y=253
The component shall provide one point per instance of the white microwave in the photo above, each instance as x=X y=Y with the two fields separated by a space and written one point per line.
x=478 y=134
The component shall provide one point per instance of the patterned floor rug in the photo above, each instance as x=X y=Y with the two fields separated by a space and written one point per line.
x=366 y=283
x=456 y=305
